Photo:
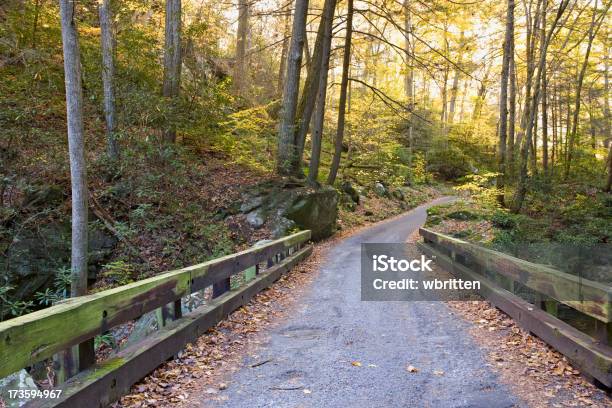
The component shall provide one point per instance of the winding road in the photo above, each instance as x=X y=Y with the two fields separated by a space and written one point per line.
x=337 y=351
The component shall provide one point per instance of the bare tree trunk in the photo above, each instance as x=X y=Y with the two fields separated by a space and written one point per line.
x=606 y=108
x=283 y=61
x=503 y=102
x=482 y=93
x=346 y=62
x=307 y=101
x=511 y=112
x=108 y=77
x=532 y=111
x=319 y=113
x=307 y=56
x=464 y=92
x=455 y=85
x=409 y=80
x=172 y=59
x=76 y=146
x=408 y=50
x=553 y=118
x=593 y=29
x=609 y=182
x=544 y=101
x=287 y=150
x=35 y=25
x=240 y=70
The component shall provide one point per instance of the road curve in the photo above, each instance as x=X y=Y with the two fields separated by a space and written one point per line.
x=309 y=358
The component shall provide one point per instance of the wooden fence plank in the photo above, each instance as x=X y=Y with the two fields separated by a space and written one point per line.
x=109 y=380
x=585 y=352
x=33 y=337
x=564 y=287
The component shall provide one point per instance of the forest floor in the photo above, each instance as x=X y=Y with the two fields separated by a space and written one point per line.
x=309 y=341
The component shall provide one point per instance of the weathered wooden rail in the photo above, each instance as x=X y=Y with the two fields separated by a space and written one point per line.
x=498 y=274
x=40 y=335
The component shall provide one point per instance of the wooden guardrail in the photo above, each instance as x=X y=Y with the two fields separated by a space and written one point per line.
x=37 y=336
x=498 y=273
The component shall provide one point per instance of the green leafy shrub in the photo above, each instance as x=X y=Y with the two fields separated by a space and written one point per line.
x=449 y=163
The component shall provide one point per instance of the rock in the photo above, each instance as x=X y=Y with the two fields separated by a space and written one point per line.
x=251 y=203
x=35 y=256
x=144 y=326
x=20 y=380
x=380 y=190
x=101 y=246
x=281 y=227
x=398 y=194
x=224 y=212
x=43 y=196
x=315 y=210
x=348 y=188
x=256 y=219
x=288 y=205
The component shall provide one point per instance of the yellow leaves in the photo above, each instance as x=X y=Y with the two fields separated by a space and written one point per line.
x=356 y=364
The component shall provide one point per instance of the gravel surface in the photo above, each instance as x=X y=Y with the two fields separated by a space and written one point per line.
x=338 y=351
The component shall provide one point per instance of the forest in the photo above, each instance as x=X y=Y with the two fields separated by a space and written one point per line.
x=141 y=136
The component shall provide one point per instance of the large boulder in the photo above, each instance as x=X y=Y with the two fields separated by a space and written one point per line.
x=348 y=188
x=35 y=255
x=290 y=205
x=380 y=189
x=315 y=210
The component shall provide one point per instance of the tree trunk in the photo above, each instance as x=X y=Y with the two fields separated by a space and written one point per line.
x=532 y=111
x=593 y=29
x=606 y=108
x=108 y=77
x=172 y=59
x=511 y=112
x=544 y=102
x=319 y=114
x=409 y=80
x=553 y=118
x=240 y=70
x=283 y=61
x=455 y=85
x=76 y=147
x=346 y=62
x=482 y=93
x=309 y=94
x=287 y=150
x=503 y=101
x=609 y=182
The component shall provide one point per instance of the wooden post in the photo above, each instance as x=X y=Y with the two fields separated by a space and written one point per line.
x=221 y=287
x=64 y=365
x=177 y=309
x=603 y=332
x=87 y=354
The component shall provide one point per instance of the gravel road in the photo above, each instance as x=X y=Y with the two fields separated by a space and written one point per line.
x=337 y=351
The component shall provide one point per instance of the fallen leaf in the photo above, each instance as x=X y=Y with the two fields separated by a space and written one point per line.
x=412 y=369
x=439 y=373
x=356 y=363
